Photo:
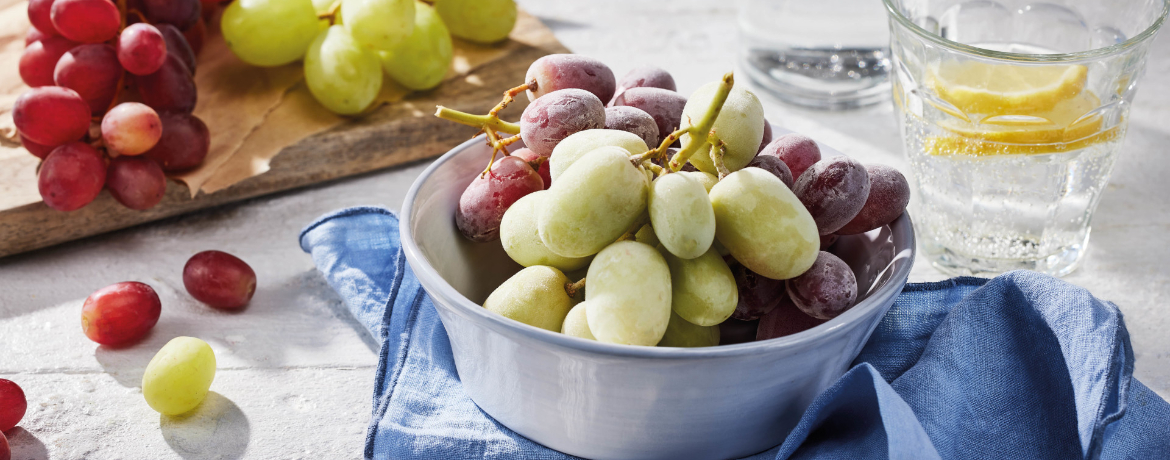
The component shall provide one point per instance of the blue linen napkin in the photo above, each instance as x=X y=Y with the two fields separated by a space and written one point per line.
x=1020 y=366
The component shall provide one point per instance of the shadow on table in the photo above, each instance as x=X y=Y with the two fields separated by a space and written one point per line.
x=217 y=429
x=25 y=446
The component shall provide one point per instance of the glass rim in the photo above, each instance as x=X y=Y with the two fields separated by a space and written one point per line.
x=1025 y=57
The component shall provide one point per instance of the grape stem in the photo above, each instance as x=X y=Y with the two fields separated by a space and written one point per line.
x=718 y=148
x=704 y=126
x=477 y=121
x=330 y=13
x=572 y=289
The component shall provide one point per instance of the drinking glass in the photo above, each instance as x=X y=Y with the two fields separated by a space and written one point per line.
x=1012 y=113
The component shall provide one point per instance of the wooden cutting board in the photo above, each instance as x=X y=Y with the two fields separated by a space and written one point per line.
x=394 y=134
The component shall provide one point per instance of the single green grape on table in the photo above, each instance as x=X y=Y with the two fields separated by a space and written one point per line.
x=343 y=75
x=628 y=293
x=269 y=33
x=421 y=61
x=379 y=24
x=481 y=21
x=179 y=376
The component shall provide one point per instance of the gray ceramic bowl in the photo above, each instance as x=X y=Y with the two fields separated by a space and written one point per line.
x=600 y=400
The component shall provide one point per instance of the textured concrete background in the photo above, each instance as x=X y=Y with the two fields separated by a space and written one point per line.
x=295 y=371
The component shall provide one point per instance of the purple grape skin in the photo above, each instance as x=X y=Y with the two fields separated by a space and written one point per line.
x=664 y=105
x=177 y=45
x=826 y=290
x=889 y=193
x=645 y=77
x=557 y=115
x=634 y=120
x=833 y=190
x=797 y=151
x=734 y=331
x=562 y=71
x=827 y=241
x=775 y=166
x=767 y=138
x=169 y=89
x=785 y=319
x=758 y=295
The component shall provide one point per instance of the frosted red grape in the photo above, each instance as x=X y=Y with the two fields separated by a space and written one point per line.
x=12 y=405
x=773 y=165
x=219 y=280
x=826 y=290
x=544 y=169
x=184 y=143
x=141 y=49
x=733 y=331
x=180 y=13
x=483 y=203
x=40 y=15
x=633 y=120
x=177 y=45
x=51 y=115
x=557 y=115
x=767 y=136
x=39 y=60
x=563 y=71
x=120 y=313
x=71 y=177
x=665 y=106
x=645 y=77
x=86 y=21
x=833 y=190
x=131 y=128
x=889 y=193
x=758 y=295
x=93 y=71
x=170 y=88
x=797 y=151
x=38 y=150
x=136 y=182
x=785 y=319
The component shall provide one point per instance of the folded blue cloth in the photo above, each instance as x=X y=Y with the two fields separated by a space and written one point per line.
x=1020 y=366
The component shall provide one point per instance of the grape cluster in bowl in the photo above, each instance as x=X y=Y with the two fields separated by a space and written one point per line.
x=691 y=225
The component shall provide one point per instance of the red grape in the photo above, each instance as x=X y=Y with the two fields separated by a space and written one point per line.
x=563 y=71
x=482 y=205
x=71 y=177
x=194 y=36
x=181 y=13
x=557 y=115
x=136 y=182
x=93 y=71
x=833 y=190
x=5 y=451
x=34 y=35
x=767 y=136
x=645 y=77
x=785 y=319
x=184 y=142
x=40 y=60
x=773 y=165
x=86 y=21
x=51 y=115
x=797 y=151
x=141 y=49
x=889 y=193
x=544 y=170
x=826 y=290
x=131 y=128
x=665 y=106
x=634 y=120
x=177 y=45
x=219 y=279
x=758 y=295
x=171 y=88
x=38 y=150
x=120 y=313
x=40 y=15
x=12 y=405
x=827 y=241
x=733 y=331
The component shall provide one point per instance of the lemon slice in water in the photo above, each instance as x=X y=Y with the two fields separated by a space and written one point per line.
x=1005 y=89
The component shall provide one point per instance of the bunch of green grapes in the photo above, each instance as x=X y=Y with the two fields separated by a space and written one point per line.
x=347 y=45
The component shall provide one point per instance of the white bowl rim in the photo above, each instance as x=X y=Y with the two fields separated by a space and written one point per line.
x=427 y=275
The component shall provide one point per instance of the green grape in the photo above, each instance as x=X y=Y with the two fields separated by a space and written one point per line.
x=421 y=62
x=628 y=292
x=597 y=200
x=740 y=126
x=482 y=21
x=521 y=240
x=378 y=24
x=269 y=33
x=680 y=333
x=179 y=375
x=322 y=5
x=703 y=289
x=576 y=324
x=707 y=179
x=534 y=296
x=646 y=235
x=682 y=216
x=341 y=74
x=577 y=145
x=764 y=225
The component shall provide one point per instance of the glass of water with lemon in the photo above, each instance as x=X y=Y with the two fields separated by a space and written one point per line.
x=1012 y=114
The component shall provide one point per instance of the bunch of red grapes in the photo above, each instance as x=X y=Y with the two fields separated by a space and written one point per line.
x=112 y=94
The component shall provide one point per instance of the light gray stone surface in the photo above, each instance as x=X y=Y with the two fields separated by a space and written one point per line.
x=296 y=372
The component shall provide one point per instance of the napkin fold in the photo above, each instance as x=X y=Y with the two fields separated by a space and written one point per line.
x=1020 y=366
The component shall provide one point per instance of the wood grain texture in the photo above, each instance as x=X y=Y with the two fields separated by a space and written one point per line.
x=395 y=134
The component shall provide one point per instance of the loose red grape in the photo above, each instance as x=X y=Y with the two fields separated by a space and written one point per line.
x=40 y=15
x=544 y=169
x=833 y=190
x=785 y=319
x=889 y=193
x=219 y=279
x=34 y=35
x=483 y=203
x=665 y=106
x=767 y=136
x=71 y=177
x=131 y=128
x=38 y=150
x=797 y=151
x=12 y=405
x=136 y=182
x=645 y=77
x=826 y=290
x=141 y=49
x=86 y=21
x=557 y=115
x=171 y=88
x=773 y=165
x=184 y=142
x=93 y=71
x=758 y=295
x=563 y=71
x=195 y=35
x=120 y=313
x=177 y=45
x=180 y=13
x=39 y=60
x=633 y=120
x=51 y=115
x=733 y=331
